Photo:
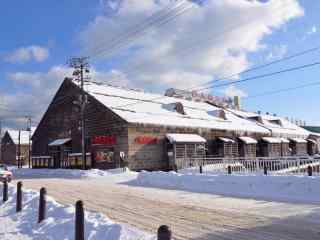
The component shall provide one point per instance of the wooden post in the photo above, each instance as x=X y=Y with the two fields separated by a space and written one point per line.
x=309 y=171
x=79 y=221
x=42 y=205
x=5 y=191
x=164 y=233
x=229 y=170
x=19 y=197
x=265 y=170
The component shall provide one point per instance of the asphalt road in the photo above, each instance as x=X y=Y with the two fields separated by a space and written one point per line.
x=190 y=215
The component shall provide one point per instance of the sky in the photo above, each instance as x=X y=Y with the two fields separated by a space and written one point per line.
x=157 y=44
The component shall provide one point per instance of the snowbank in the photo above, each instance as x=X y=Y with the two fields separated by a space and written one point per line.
x=65 y=173
x=297 y=189
x=59 y=223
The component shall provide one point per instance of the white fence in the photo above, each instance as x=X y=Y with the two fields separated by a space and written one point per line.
x=274 y=166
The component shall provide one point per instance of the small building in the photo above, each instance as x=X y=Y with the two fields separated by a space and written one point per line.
x=312 y=146
x=285 y=147
x=225 y=147
x=247 y=147
x=269 y=147
x=184 y=149
x=15 y=149
x=298 y=146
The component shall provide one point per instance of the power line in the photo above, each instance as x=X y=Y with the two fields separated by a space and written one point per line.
x=284 y=90
x=264 y=75
x=125 y=38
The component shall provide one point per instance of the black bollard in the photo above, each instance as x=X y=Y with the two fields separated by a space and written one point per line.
x=79 y=221
x=201 y=169
x=5 y=191
x=229 y=170
x=265 y=170
x=309 y=171
x=19 y=197
x=42 y=205
x=164 y=233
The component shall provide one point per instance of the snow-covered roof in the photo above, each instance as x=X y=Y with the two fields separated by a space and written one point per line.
x=226 y=140
x=248 y=140
x=59 y=142
x=298 y=140
x=279 y=127
x=312 y=140
x=185 y=138
x=272 y=140
x=140 y=107
x=24 y=136
x=285 y=140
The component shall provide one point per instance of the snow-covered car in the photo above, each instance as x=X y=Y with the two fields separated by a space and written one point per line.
x=5 y=174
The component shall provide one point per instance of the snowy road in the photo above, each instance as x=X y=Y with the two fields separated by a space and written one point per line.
x=191 y=216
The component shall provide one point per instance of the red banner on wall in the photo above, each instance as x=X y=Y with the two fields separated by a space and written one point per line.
x=104 y=140
x=146 y=140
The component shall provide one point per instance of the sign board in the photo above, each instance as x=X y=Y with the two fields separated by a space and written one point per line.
x=104 y=140
x=146 y=140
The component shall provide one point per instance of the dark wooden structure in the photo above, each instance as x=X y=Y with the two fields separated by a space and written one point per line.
x=247 y=147
x=269 y=147
x=312 y=147
x=224 y=147
x=298 y=146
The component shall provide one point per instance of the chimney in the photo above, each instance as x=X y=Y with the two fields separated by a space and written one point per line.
x=237 y=102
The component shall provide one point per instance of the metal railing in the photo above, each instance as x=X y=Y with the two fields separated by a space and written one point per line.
x=264 y=165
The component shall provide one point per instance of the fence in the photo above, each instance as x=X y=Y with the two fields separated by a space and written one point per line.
x=163 y=232
x=42 y=162
x=275 y=166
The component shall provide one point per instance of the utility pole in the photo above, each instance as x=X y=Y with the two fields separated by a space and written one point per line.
x=29 y=126
x=19 y=149
x=81 y=65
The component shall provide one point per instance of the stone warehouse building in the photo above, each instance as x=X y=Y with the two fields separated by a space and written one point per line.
x=12 y=147
x=150 y=131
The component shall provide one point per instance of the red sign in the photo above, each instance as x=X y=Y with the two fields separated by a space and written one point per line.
x=146 y=140
x=104 y=140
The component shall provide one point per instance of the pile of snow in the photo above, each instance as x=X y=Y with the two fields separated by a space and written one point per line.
x=59 y=223
x=297 y=189
x=66 y=173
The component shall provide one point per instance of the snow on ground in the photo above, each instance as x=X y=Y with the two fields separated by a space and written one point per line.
x=70 y=173
x=59 y=223
x=296 y=189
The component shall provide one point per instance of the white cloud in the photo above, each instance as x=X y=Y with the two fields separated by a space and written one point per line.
x=25 y=54
x=313 y=30
x=208 y=41
x=35 y=90
x=277 y=52
x=233 y=91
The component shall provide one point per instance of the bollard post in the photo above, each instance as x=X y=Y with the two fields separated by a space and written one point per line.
x=201 y=169
x=229 y=170
x=19 y=197
x=42 y=204
x=309 y=171
x=164 y=233
x=265 y=170
x=5 y=191
x=175 y=168
x=79 y=221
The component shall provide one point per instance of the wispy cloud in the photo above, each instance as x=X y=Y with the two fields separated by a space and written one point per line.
x=277 y=52
x=233 y=91
x=29 y=53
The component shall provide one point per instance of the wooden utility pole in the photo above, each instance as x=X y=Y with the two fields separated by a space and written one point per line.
x=81 y=65
x=29 y=143
x=19 y=149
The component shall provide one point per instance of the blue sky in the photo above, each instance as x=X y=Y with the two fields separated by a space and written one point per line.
x=51 y=31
